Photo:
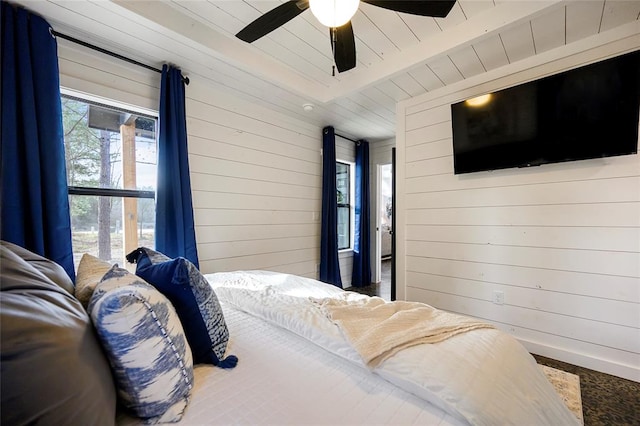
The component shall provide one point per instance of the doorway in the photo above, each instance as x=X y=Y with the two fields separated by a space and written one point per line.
x=384 y=230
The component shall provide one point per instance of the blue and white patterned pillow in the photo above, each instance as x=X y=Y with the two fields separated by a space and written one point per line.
x=195 y=301
x=145 y=344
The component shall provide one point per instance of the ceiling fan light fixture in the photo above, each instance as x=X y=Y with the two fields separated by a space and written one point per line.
x=334 y=13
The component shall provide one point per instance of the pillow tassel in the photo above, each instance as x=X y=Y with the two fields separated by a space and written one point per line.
x=133 y=256
x=229 y=362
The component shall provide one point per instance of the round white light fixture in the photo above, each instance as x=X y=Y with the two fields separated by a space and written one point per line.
x=334 y=13
x=307 y=107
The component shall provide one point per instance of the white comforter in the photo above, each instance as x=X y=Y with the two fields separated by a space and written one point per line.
x=484 y=377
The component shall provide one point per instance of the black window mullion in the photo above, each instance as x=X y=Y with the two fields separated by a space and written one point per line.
x=110 y=192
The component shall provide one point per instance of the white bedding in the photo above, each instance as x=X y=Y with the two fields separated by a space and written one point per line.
x=283 y=379
x=482 y=377
x=284 y=376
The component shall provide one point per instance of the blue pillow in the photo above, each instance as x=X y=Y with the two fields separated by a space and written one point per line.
x=194 y=300
x=144 y=341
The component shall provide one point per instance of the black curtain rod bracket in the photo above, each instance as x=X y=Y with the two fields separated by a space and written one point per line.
x=110 y=53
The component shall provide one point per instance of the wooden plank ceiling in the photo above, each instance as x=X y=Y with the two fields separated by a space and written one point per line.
x=398 y=55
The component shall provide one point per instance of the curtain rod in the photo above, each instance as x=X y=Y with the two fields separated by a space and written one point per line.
x=344 y=137
x=110 y=53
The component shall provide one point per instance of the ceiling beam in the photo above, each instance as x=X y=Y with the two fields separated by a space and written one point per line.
x=244 y=56
x=231 y=50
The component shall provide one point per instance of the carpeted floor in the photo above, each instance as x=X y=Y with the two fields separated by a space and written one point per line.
x=606 y=400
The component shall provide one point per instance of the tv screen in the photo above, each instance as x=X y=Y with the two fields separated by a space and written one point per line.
x=587 y=112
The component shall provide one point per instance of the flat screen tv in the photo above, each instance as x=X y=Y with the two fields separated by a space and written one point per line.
x=587 y=112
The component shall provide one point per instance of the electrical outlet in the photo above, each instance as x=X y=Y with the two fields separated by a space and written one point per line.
x=498 y=297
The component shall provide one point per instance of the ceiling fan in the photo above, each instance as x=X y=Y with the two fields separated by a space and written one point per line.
x=337 y=14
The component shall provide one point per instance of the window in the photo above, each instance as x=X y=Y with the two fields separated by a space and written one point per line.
x=111 y=172
x=345 y=186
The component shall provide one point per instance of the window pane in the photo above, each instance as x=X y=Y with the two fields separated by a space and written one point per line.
x=108 y=148
x=342 y=182
x=343 y=228
x=94 y=136
x=97 y=226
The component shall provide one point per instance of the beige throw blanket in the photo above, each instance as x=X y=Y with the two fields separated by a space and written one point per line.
x=378 y=329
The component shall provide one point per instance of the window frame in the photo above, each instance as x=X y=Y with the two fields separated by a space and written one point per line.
x=114 y=106
x=350 y=204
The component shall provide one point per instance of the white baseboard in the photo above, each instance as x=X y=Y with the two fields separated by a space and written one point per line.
x=630 y=372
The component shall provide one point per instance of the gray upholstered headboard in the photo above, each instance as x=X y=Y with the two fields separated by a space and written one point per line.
x=53 y=370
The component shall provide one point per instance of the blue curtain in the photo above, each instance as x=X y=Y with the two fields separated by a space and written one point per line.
x=35 y=203
x=329 y=265
x=175 y=228
x=362 y=237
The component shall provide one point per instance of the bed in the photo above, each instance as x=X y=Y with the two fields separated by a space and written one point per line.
x=296 y=367
x=298 y=361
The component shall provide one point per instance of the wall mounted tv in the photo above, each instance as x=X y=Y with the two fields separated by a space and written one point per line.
x=587 y=112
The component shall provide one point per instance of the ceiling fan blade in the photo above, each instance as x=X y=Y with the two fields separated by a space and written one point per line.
x=344 y=52
x=272 y=19
x=435 y=8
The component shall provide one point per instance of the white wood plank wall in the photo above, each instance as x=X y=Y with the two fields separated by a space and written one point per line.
x=380 y=153
x=256 y=182
x=561 y=241
x=103 y=78
x=255 y=174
